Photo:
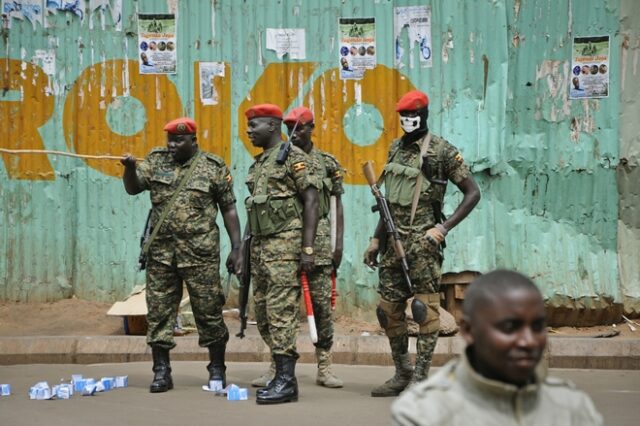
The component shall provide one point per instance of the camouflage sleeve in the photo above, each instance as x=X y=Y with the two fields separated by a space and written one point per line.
x=454 y=166
x=145 y=169
x=336 y=172
x=302 y=170
x=223 y=186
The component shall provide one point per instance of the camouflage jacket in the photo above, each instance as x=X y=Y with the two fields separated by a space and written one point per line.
x=189 y=233
x=275 y=207
x=400 y=176
x=332 y=175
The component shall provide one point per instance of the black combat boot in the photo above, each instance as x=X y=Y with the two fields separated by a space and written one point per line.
x=216 y=365
x=284 y=386
x=162 y=380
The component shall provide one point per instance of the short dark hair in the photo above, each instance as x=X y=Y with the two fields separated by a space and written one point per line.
x=486 y=287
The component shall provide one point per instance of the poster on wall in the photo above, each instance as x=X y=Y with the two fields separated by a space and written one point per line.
x=208 y=71
x=417 y=22
x=157 y=44
x=589 y=68
x=287 y=41
x=357 y=47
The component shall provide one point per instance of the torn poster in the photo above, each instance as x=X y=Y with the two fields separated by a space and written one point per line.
x=357 y=47
x=208 y=71
x=47 y=60
x=21 y=9
x=157 y=44
x=417 y=21
x=74 y=6
x=289 y=41
x=115 y=9
x=589 y=68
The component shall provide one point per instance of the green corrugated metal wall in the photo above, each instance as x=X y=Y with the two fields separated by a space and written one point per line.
x=546 y=165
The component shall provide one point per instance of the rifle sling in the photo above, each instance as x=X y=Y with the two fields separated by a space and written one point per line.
x=416 y=193
x=167 y=208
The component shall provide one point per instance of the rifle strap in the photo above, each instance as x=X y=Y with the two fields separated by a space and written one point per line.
x=426 y=141
x=167 y=208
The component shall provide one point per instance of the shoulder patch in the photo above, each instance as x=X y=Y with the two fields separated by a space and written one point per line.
x=228 y=178
x=459 y=158
x=299 y=166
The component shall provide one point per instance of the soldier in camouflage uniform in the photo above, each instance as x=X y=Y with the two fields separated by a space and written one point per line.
x=282 y=212
x=495 y=381
x=186 y=247
x=417 y=158
x=329 y=170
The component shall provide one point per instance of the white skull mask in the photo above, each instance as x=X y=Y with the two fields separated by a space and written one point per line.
x=410 y=124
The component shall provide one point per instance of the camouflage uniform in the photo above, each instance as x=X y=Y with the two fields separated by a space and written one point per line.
x=457 y=395
x=425 y=261
x=186 y=247
x=329 y=170
x=275 y=218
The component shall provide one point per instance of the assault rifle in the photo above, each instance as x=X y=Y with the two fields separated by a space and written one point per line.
x=245 y=282
x=382 y=207
x=142 y=259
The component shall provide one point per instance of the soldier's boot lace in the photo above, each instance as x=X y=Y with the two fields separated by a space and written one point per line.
x=400 y=379
x=217 y=369
x=325 y=376
x=265 y=378
x=284 y=386
x=162 y=380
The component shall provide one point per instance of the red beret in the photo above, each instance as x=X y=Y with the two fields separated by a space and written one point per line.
x=264 y=110
x=303 y=115
x=412 y=101
x=181 y=126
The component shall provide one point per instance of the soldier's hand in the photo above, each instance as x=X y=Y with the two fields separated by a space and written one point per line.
x=337 y=258
x=307 y=263
x=128 y=160
x=234 y=261
x=436 y=235
x=371 y=253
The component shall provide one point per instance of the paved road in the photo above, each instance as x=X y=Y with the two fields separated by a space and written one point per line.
x=615 y=393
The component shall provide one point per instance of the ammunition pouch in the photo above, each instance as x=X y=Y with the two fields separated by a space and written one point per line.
x=425 y=309
x=392 y=318
x=268 y=215
x=325 y=197
x=400 y=183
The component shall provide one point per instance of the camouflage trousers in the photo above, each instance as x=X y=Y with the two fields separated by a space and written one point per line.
x=425 y=345
x=276 y=296
x=320 y=290
x=164 y=293
x=425 y=263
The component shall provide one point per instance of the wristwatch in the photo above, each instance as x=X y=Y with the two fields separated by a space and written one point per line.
x=307 y=250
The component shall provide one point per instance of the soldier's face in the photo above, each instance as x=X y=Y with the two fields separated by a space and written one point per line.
x=181 y=147
x=260 y=130
x=508 y=334
x=302 y=135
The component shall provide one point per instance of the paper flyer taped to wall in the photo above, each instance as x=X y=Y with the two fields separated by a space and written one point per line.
x=157 y=44
x=589 y=68
x=417 y=22
x=357 y=47
x=208 y=72
x=287 y=41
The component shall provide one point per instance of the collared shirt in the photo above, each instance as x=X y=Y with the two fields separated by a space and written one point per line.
x=457 y=395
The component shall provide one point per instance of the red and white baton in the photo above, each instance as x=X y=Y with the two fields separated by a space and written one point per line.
x=313 y=333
